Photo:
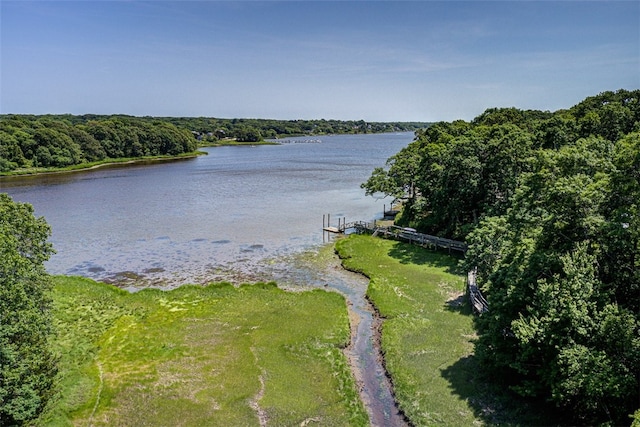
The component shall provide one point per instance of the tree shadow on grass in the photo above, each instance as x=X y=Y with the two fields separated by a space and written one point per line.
x=492 y=403
x=407 y=253
x=459 y=305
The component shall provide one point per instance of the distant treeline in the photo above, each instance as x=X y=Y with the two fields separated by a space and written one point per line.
x=57 y=141
x=549 y=204
x=54 y=141
x=216 y=128
x=257 y=129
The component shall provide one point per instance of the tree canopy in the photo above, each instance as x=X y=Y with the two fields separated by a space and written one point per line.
x=53 y=141
x=549 y=205
x=27 y=366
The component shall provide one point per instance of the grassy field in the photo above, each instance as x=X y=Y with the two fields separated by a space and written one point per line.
x=427 y=336
x=215 y=355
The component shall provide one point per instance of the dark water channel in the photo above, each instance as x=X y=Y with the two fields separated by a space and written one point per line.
x=238 y=214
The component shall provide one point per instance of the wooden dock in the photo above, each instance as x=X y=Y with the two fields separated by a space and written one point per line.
x=412 y=236
x=478 y=303
x=394 y=232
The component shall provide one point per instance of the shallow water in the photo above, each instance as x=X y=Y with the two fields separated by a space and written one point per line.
x=200 y=219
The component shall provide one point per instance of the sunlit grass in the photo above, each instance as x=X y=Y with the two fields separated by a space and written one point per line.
x=215 y=355
x=427 y=337
x=424 y=333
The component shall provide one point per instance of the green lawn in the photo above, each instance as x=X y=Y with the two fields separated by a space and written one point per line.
x=427 y=336
x=215 y=355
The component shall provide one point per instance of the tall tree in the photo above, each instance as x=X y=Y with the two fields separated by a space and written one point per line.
x=549 y=205
x=559 y=273
x=27 y=366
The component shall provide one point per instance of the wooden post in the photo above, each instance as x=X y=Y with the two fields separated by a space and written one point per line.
x=323 y=232
x=329 y=220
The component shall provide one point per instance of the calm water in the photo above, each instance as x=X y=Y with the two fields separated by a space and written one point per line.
x=223 y=216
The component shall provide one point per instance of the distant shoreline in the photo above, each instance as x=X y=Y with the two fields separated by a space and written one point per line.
x=83 y=167
x=234 y=143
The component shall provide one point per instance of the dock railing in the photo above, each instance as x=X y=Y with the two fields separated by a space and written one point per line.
x=478 y=303
x=394 y=232
x=412 y=236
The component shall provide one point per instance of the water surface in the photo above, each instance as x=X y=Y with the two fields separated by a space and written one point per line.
x=222 y=216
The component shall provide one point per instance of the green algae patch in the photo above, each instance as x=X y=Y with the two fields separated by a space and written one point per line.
x=212 y=355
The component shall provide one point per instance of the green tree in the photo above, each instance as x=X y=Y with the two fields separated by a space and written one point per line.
x=91 y=148
x=104 y=133
x=465 y=176
x=399 y=179
x=620 y=264
x=549 y=205
x=27 y=366
x=248 y=134
x=561 y=323
x=11 y=155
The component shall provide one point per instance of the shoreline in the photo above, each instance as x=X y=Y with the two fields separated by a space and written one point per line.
x=233 y=143
x=363 y=353
x=84 y=167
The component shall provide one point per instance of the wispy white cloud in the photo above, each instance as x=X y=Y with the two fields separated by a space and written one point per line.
x=378 y=61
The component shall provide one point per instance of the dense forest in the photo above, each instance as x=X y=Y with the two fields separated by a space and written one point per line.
x=55 y=141
x=549 y=203
x=46 y=141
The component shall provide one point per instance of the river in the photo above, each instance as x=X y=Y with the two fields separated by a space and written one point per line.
x=239 y=213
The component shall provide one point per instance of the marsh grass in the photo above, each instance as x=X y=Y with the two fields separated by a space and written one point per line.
x=214 y=355
x=427 y=336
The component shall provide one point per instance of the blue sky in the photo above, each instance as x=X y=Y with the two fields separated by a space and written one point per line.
x=371 y=60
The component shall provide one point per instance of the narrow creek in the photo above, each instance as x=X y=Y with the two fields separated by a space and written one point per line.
x=365 y=355
x=324 y=269
x=321 y=268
